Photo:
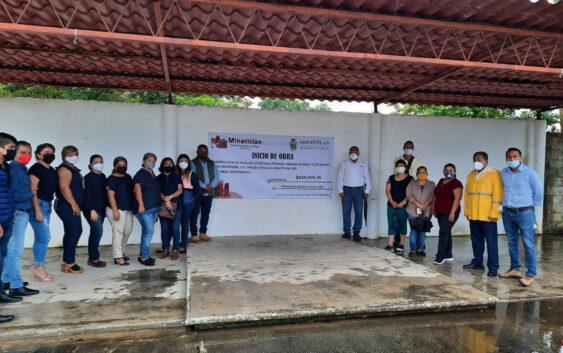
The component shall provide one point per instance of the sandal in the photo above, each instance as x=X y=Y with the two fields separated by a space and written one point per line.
x=74 y=269
x=39 y=274
x=124 y=263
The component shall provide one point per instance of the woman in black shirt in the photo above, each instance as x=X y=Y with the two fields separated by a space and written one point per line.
x=95 y=207
x=396 y=191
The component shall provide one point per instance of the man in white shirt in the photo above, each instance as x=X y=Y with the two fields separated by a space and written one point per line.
x=353 y=186
x=413 y=163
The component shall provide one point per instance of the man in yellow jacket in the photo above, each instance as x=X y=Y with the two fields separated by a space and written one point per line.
x=483 y=198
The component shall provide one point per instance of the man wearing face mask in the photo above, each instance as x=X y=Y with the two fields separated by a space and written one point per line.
x=7 y=208
x=20 y=187
x=522 y=190
x=413 y=163
x=483 y=198
x=208 y=175
x=352 y=178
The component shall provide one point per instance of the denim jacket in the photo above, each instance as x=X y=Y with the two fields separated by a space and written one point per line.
x=20 y=186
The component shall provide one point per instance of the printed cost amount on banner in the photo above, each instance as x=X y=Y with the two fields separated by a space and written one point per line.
x=272 y=166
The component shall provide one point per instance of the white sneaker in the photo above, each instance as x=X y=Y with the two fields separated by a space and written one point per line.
x=451 y=259
x=439 y=263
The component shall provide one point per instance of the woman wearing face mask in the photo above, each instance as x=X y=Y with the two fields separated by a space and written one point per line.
x=120 y=209
x=420 y=193
x=70 y=200
x=190 y=184
x=171 y=188
x=447 y=197
x=396 y=191
x=95 y=202
x=44 y=182
x=147 y=195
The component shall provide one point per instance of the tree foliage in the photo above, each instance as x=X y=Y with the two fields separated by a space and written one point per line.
x=552 y=119
x=291 y=105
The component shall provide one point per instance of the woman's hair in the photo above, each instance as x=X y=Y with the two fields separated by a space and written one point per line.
x=41 y=147
x=400 y=161
x=184 y=171
x=67 y=150
x=164 y=160
x=149 y=155
x=92 y=157
x=421 y=167
x=450 y=165
x=117 y=160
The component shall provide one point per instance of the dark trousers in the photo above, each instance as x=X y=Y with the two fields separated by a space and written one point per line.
x=73 y=230
x=353 y=197
x=201 y=204
x=445 y=236
x=480 y=232
x=96 y=232
x=187 y=211
x=7 y=226
x=170 y=230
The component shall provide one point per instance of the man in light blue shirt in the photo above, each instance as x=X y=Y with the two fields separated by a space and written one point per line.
x=522 y=190
x=208 y=175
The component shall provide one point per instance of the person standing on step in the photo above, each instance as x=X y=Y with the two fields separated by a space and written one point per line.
x=7 y=209
x=190 y=183
x=208 y=175
x=68 y=206
x=483 y=198
x=95 y=202
x=353 y=185
x=522 y=190
x=171 y=188
x=446 y=208
x=20 y=187
x=44 y=183
x=420 y=193
x=396 y=191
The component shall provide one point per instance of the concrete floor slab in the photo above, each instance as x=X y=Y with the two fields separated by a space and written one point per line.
x=100 y=299
x=242 y=279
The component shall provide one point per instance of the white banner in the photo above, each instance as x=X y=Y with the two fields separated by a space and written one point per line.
x=272 y=167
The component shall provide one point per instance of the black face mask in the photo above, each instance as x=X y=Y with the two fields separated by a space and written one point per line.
x=10 y=155
x=121 y=170
x=168 y=169
x=48 y=158
x=202 y=156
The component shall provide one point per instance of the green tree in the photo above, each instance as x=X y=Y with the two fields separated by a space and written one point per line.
x=552 y=119
x=291 y=105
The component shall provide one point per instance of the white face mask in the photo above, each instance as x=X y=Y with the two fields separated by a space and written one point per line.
x=401 y=169
x=72 y=159
x=183 y=165
x=353 y=156
x=98 y=167
x=408 y=151
x=478 y=166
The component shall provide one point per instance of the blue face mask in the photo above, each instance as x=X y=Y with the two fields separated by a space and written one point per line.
x=513 y=164
x=150 y=165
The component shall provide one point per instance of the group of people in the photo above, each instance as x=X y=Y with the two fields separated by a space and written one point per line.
x=177 y=196
x=489 y=195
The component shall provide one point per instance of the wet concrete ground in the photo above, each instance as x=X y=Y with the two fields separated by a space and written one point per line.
x=509 y=327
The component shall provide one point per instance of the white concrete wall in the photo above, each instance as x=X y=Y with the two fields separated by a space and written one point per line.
x=113 y=129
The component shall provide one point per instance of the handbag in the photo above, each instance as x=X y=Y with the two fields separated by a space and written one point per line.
x=165 y=212
x=421 y=223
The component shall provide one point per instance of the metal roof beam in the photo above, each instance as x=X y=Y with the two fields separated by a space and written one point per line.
x=158 y=15
x=354 y=56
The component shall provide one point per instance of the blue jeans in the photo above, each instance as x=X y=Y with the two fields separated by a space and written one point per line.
x=523 y=222
x=73 y=230
x=7 y=226
x=482 y=231
x=416 y=238
x=170 y=229
x=42 y=234
x=186 y=221
x=147 y=220
x=203 y=204
x=96 y=232
x=352 y=197
x=12 y=261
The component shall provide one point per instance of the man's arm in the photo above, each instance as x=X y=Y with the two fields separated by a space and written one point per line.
x=495 y=214
x=367 y=180
x=216 y=176
x=537 y=188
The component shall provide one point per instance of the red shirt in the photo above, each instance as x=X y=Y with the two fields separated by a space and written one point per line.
x=445 y=196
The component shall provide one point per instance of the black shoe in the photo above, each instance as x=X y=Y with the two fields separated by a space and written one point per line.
x=6 y=286
x=411 y=253
x=147 y=262
x=421 y=253
x=473 y=266
x=492 y=273
x=23 y=291
x=400 y=249
x=388 y=248
x=6 y=299
x=346 y=235
x=149 y=259
x=357 y=237
x=6 y=318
